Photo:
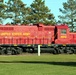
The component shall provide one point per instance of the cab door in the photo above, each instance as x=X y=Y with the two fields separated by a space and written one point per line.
x=62 y=34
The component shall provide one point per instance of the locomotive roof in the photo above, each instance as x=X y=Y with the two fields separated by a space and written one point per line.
x=62 y=26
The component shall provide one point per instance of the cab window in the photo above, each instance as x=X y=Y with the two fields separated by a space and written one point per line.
x=63 y=31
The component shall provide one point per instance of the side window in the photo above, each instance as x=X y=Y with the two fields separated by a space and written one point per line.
x=63 y=31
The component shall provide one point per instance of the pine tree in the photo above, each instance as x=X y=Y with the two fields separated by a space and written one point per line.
x=40 y=13
x=16 y=11
x=69 y=14
x=2 y=11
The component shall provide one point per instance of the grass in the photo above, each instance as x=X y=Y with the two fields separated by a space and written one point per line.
x=31 y=64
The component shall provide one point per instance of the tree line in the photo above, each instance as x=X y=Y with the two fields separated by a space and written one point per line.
x=37 y=12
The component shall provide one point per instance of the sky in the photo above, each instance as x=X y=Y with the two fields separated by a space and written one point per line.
x=53 y=5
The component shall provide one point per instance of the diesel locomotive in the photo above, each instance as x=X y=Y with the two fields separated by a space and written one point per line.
x=15 y=39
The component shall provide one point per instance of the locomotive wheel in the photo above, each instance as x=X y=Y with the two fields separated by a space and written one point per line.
x=55 y=51
x=9 y=51
x=19 y=50
x=69 y=50
x=2 y=50
x=61 y=50
x=14 y=52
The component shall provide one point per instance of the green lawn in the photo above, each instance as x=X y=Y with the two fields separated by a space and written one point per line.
x=31 y=64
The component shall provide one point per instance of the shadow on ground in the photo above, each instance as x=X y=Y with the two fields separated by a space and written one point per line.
x=43 y=62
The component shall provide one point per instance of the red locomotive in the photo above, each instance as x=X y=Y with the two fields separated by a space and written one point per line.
x=15 y=39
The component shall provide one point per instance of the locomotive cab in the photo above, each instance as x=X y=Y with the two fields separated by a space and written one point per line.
x=62 y=33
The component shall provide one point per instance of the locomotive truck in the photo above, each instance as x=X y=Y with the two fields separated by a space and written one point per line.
x=15 y=39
